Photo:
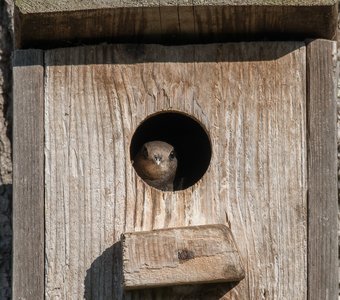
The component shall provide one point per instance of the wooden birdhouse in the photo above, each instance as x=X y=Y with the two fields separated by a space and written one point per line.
x=245 y=93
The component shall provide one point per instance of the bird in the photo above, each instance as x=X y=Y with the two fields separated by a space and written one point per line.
x=156 y=164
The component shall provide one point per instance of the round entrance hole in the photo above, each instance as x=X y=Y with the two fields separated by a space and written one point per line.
x=189 y=139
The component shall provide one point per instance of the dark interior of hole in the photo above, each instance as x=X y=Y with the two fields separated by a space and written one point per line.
x=190 y=140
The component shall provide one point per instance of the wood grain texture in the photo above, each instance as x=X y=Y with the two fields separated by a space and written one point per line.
x=28 y=175
x=250 y=97
x=48 y=6
x=322 y=171
x=179 y=256
x=47 y=24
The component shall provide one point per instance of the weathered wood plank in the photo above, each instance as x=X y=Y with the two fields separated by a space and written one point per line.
x=250 y=97
x=28 y=175
x=178 y=256
x=48 y=6
x=54 y=23
x=322 y=171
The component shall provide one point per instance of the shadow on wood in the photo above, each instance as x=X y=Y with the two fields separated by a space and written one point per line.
x=212 y=291
x=126 y=54
x=104 y=275
x=6 y=240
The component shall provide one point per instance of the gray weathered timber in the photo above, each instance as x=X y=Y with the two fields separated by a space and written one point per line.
x=48 y=6
x=178 y=256
x=322 y=171
x=250 y=97
x=51 y=23
x=28 y=175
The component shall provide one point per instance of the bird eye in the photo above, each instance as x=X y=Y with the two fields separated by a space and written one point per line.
x=172 y=155
x=145 y=152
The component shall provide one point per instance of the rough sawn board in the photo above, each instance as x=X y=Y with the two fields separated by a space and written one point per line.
x=251 y=98
x=55 y=22
x=180 y=256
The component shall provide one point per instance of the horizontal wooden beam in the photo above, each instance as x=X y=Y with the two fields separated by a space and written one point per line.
x=30 y=6
x=53 y=23
x=177 y=256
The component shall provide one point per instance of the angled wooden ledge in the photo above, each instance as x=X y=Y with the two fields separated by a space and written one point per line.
x=170 y=257
x=58 y=23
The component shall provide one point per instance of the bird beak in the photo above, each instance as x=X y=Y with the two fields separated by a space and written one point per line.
x=158 y=159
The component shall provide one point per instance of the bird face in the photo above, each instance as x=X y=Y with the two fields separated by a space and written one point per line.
x=159 y=158
x=156 y=162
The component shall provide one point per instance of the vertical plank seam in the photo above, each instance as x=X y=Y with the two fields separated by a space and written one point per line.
x=44 y=79
x=307 y=156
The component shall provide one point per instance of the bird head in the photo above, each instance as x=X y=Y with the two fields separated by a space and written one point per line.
x=156 y=161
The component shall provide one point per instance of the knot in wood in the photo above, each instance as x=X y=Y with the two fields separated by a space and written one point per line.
x=185 y=254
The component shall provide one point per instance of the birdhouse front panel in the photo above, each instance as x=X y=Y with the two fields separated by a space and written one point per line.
x=236 y=117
